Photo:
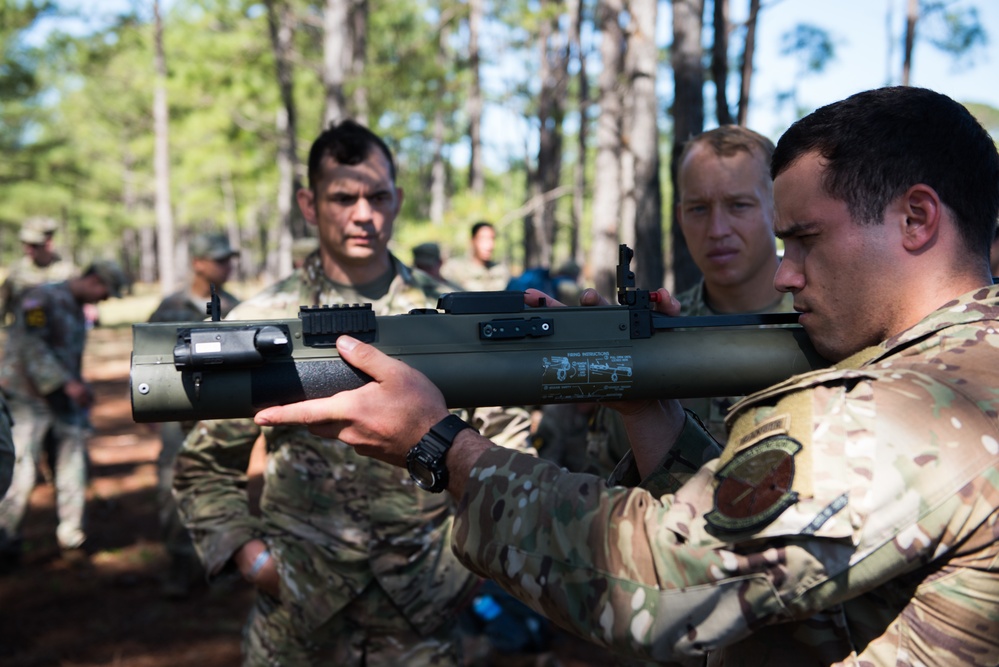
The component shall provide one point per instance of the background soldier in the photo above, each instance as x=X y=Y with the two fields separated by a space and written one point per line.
x=350 y=559
x=41 y=377
x=211 y=265
x=40 y=264
x=427 y=258
x=479 y=272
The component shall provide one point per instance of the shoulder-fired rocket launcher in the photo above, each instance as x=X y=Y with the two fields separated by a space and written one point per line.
x=479 y=348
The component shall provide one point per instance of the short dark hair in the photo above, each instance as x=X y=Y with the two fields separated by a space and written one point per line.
x=479 y=225
x=347 y=142
x=881 y=142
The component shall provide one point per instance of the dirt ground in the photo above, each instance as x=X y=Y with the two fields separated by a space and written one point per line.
x=110 y=612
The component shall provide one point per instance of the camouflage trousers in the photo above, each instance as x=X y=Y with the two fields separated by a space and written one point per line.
x=32 y=420
x=368 y=632
x=176 y=539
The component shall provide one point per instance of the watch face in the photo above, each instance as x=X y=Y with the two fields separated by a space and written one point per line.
x=423 y=469
x=425 y=461
x=421 y=475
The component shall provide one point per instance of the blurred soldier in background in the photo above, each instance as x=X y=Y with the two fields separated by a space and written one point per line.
x=40 y=264
x=211 y=265
x=427 y=258
x=478 y=272
x=41 y=378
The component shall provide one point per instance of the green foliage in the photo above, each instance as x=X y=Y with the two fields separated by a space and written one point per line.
x=76 y=110
x=988 y=116
x=21 y=102
x=953 y=28
x=811 y=45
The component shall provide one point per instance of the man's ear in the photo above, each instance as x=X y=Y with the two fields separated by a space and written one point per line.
x=307 y=205
x=923 y=212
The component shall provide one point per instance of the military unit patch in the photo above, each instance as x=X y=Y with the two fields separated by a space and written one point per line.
x=35 y=318
x=755 y=486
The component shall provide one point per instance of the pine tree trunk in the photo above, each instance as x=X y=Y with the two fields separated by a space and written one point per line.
x=161 y=124
x=607 y=188
x=643 y=145
x=336 y=43
x=688 y=118
x=476 y=174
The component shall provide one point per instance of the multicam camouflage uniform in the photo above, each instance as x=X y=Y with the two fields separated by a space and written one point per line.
x=606 y=441
x=25 y=274
x=181 y=306
x=362 y=553
x=44 y=352
x=476 y=277
x=851 y=519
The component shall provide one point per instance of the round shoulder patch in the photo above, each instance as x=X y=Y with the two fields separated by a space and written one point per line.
x=755 y=486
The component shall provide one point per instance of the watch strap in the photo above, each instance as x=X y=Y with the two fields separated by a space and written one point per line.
x=425 y=460
x=448 y=429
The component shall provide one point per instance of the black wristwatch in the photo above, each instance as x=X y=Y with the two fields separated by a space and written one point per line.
x=425 y=461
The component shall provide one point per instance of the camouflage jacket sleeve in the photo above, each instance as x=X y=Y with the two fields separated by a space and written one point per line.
x=829 y=496
x=210 y=485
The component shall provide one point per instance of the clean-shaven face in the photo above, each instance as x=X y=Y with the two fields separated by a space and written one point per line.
x=840 y=271
x=726 y=215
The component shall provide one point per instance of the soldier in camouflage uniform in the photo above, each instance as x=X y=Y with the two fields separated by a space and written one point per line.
x=851 y=519
x=41 y=378
x=726 y=215
x=350 y=559
x=40 y=264
x=479 y=272
x=211 y=265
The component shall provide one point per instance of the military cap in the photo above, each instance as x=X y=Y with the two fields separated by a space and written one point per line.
x=211 y=246
x=37 y=230
x=110 y=274
x=426 y=253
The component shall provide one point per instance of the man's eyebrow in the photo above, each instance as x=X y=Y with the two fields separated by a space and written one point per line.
x=795 y=229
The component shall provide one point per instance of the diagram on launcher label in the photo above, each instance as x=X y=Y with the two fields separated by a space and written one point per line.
x=586 y=375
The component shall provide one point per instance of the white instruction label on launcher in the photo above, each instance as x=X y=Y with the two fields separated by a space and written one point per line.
x=593 y=375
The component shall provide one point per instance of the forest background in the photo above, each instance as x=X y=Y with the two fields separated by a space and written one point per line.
x=137 y=124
